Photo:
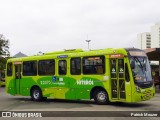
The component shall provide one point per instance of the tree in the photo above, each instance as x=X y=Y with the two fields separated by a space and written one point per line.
x=4 y=51
x=4 y=46
x=2 y=63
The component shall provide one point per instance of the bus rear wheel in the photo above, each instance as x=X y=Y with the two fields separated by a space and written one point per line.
x=36 y=94
x=101 y=97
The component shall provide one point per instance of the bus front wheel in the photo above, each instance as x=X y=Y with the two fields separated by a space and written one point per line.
x=101 y=97
x=36 y=94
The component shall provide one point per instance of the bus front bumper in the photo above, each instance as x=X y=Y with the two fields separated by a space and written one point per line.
x=144 y=94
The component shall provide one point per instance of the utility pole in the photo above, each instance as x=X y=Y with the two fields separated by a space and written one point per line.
x=88 y=41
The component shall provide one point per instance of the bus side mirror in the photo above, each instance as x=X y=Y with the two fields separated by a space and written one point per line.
x=132 y=64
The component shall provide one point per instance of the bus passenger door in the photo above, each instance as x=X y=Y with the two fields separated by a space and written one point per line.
x=117 y=78
x=17 y=78
x=62 y=81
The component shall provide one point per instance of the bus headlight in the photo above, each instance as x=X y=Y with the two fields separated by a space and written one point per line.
x=138 y=89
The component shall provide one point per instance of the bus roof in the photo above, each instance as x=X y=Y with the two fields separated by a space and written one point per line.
x=72 y=53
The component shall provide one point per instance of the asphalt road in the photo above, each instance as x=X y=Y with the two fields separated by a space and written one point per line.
x=21 y=103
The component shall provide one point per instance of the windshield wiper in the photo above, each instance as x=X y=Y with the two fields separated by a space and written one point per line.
x=140 y=64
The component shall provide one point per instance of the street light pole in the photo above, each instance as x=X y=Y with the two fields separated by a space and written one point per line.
x=88 y=43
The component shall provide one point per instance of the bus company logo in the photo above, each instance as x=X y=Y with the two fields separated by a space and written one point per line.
x=54 y=78
x=85 y=82
x=6 y=114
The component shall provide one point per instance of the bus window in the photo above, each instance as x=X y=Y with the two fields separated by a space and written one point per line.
x=75 y=68
x=126 y=73
x=121 y=68
x=62 y=67
x=30 y=68
x=46 y=67
x=94 y=65
x=9 y=69
x=113 y=68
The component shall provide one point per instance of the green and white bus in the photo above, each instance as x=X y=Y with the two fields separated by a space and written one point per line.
x=107 y=75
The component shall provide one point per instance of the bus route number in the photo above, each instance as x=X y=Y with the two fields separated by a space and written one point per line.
x=46 y=82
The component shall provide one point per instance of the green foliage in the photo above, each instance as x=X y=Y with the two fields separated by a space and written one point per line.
x=2 y=63
x=4 y=51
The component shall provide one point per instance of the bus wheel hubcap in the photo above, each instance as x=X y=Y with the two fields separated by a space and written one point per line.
x=36 y=94
x=101 y=96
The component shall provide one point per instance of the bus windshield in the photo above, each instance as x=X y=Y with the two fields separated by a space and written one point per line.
x=141 y=69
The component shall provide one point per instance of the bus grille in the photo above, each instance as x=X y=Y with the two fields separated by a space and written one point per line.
x=146 y=95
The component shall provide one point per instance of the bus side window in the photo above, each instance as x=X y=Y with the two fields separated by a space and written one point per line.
x=30 y=68
x=62 y=67
x=46 y=67
x=126 y=73
x=75 y=68
x=9 y=69
x=94 y=65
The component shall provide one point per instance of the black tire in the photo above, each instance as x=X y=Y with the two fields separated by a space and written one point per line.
x=36 y=94
x=101 y=97
x=44 y=98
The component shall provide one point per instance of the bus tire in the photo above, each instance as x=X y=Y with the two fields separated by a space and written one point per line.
x=101 y=97
x=36 y=94
x=44 y=98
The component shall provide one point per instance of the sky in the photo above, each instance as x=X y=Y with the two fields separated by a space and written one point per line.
x=50 y=25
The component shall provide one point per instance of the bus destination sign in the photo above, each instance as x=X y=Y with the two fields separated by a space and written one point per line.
x=116 y=56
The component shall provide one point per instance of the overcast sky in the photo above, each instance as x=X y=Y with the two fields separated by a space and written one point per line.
x=49 y=25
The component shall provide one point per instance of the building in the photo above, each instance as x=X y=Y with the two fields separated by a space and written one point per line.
x=155 y=32
x=149 y=39
x=144 y=40
x=19 y=55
